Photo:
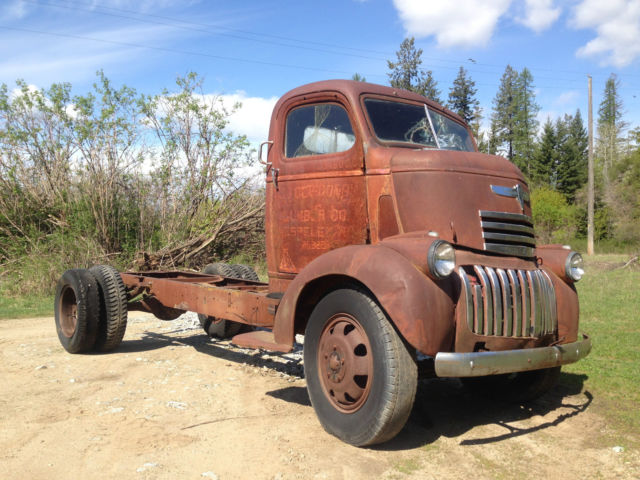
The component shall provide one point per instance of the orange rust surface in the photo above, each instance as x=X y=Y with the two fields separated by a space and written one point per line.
x=421 y=309
x=239 y=305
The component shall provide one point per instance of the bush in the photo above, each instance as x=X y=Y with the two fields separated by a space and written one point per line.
x=554 y=219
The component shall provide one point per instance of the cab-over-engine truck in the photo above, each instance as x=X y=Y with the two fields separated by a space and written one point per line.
x=389 y=237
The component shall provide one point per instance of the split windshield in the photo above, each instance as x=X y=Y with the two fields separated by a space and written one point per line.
x=417 y=125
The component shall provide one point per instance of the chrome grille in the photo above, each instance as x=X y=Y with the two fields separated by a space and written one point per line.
x=507 y=233
x=508 y=303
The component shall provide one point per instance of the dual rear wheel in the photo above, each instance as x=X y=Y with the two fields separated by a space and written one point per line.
x=90 y=309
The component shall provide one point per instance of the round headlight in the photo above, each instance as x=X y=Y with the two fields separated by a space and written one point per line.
x=574 y=266
x=441 y=259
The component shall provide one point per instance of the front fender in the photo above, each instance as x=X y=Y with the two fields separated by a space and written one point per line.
x=421 y=309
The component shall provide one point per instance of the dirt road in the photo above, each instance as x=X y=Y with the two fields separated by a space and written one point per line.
x=170 y=403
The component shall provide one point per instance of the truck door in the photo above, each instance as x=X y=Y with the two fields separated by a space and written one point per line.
x=316 y=196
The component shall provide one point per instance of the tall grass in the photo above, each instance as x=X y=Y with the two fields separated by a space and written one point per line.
x=610 y=313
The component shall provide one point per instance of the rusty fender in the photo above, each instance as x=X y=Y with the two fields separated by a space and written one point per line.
x=421 y=309
x=552 y=259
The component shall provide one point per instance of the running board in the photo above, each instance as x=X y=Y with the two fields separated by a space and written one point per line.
x=260 y=339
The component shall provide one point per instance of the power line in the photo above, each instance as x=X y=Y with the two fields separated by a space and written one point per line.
x=206 y=29
x=201 y=30
x=173 y=50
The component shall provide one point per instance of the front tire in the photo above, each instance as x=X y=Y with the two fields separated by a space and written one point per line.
x=361 y=377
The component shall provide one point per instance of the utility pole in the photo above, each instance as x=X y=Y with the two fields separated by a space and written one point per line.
x=590 y=193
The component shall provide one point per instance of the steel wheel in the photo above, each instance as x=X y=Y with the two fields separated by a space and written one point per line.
x=345 y=363
x=361 y=376
x=68 y=309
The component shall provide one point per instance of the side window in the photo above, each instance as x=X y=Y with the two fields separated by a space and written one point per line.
x=318 y=129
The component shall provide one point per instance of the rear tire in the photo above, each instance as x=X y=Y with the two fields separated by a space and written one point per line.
x=217 y=327
x=245 y=272
x=113 y=308
x=77 y=310
x=361 y=377
x=514 y=387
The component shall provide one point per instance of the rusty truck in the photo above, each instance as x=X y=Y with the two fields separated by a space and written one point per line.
x=389 y=239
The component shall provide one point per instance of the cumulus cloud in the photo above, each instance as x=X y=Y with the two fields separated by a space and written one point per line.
x=252 y=118
x=463 y=23
x=539 y=14
x=617 y=26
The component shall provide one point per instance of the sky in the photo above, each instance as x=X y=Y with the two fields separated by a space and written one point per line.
x=253 y=51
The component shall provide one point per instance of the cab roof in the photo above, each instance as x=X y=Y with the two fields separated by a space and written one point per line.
x=353 y=90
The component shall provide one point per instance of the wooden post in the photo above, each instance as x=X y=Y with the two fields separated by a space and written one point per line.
x=590 y=193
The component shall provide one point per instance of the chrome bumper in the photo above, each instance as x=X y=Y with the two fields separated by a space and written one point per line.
x=478 y=364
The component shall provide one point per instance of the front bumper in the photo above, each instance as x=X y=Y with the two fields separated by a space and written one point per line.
x=478 y=364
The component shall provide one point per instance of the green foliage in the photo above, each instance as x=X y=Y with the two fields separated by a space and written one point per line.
x=526 y=123
x=406 y=74
x=503 y=117
x=610 y=127
x=101 y=177
x=572 y=155
x=514 y=118
x=553 y=217
x=543 y=171
x=358 y=78
x=626 y=196
x=462 y=99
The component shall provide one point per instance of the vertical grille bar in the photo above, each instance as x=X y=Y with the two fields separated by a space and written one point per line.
x=507 y=302
x=517 y=303
x=479 y=323
x=537 y=303
x=497 y=301
x=488 y=304
x=469 y=297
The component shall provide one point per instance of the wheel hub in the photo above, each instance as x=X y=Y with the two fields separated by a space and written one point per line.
x=68 y=311
x=345 y=363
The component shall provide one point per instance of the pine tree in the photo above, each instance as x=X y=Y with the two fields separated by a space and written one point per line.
x=475 y=128
x=610 y=126
x=544 y=166
x=526 y=123
x=572 y=157
x=428 y=87
x=358 y=78
x=503 y=118
x=462 y=97
x=406 y=74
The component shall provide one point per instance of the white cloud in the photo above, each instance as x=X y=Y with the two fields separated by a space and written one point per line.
x=539 y=14
x=252 y=118
x=461 y=23
x=567 y=98
x=617 y=25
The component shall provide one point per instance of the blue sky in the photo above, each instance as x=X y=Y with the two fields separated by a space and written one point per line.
x=254 y=51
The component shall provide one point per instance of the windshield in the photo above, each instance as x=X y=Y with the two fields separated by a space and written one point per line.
x=416 y=124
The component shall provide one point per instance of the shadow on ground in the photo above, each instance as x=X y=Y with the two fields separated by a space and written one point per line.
x=443 y=407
